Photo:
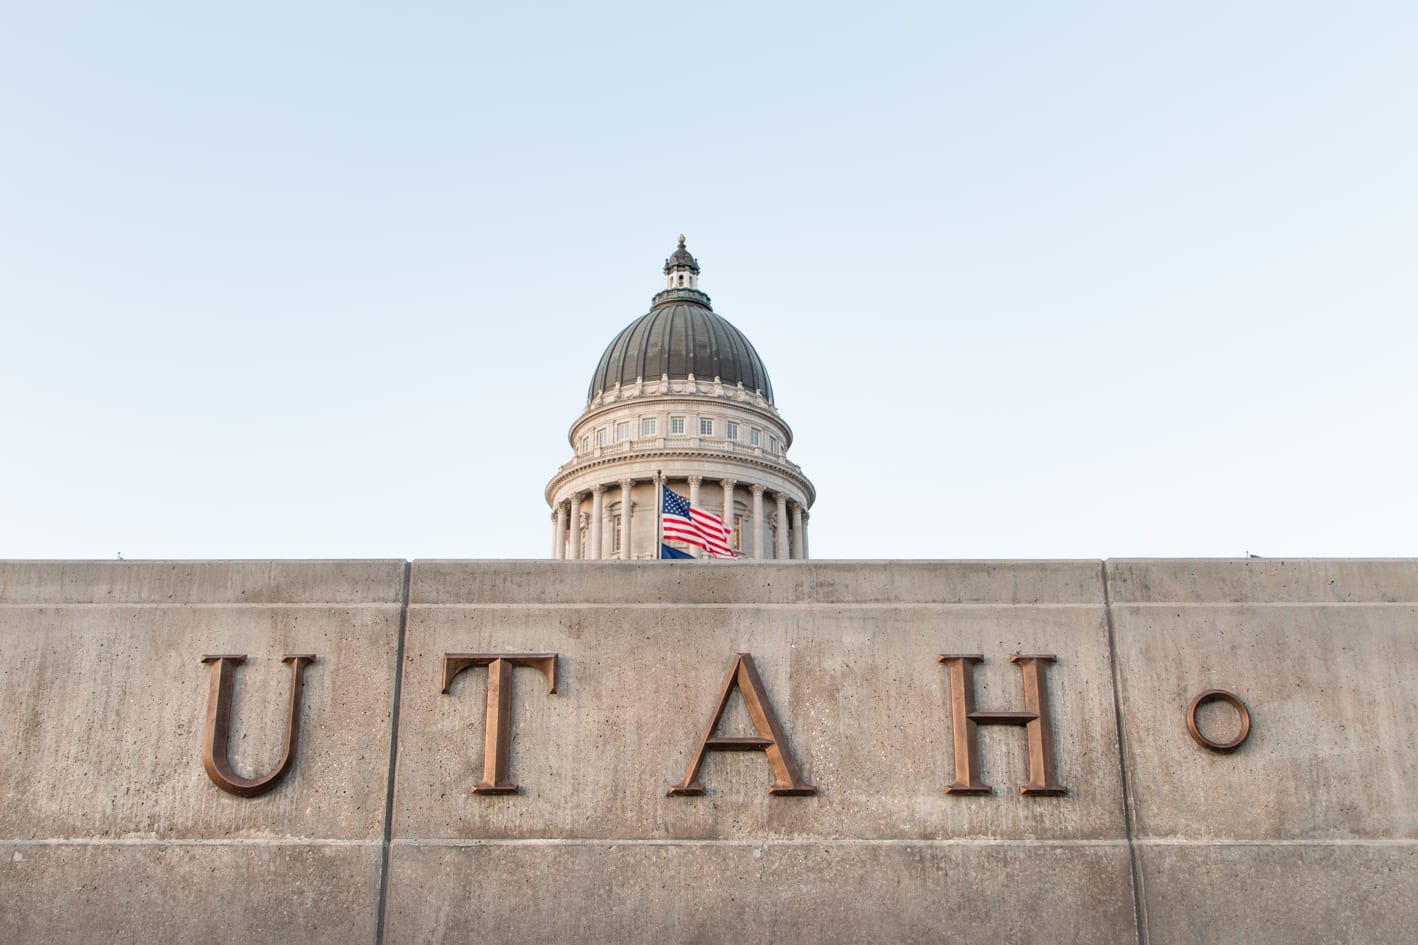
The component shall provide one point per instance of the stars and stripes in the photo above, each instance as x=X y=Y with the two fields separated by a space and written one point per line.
x=693 y=526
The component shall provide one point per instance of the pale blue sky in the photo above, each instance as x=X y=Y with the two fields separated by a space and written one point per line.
x=1032 y=280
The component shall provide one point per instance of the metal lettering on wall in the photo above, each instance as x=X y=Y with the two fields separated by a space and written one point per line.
x=771 y=738
x=497 y=738
x=217 y=731
x=743 y=675
x=1035 y=719
x=1233 y=700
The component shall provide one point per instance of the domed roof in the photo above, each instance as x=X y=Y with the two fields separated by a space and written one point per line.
x=681 y=259
x=680 y=335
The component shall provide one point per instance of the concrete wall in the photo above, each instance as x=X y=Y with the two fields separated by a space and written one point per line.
x=1309 y=832
x=111 y=830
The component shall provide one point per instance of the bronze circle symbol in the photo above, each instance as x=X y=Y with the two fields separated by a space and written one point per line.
x=1213 y=695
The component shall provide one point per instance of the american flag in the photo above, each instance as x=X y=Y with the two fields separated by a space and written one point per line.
x=682 y=521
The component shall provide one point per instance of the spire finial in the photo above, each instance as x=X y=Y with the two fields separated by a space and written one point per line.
x=682 y=270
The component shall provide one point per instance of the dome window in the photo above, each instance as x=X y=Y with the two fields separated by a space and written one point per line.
x=647 y=426
x=754 y=436
x=586 y=443
x=622 y=430
x=731 y=430
x=601 y=437
x=773 y=444
x=706 y=426
x=676 y=426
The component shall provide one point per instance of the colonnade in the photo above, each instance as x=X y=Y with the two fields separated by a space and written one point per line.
x=790 y=539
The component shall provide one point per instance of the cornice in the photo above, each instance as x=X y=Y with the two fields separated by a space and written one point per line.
x=680 y=294
x=790 y=472
x=686 y=387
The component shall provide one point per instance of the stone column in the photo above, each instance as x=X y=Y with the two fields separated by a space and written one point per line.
x=694 y=482
x=798 y=530
x=805 y=518
x=558 y=532
x=594 y=547
x=728 y=486
x=757 y=520
x=625 y=504
x=782 y=550
x=573 y=546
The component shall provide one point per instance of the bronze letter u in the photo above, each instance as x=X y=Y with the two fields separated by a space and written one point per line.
x=214 y=743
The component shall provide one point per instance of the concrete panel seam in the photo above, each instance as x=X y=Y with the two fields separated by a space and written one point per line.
x=1129 y=814
x=393 y=762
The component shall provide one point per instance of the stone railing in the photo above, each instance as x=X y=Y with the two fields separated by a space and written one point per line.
x=650 y=444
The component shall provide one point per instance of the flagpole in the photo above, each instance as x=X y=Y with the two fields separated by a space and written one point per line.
x=659 y=510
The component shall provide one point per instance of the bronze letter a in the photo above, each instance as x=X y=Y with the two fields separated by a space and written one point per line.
x=771 y=741
x=218 y=728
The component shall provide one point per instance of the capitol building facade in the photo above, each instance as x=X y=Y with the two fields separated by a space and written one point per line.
x=680 y=398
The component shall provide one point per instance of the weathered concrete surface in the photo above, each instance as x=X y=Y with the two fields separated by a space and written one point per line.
x=104 y=696
x=1297 y=894
x=857 y=687
x=1296 y=835
x=149 y=892
x=110 y=830
x=664 y=583
x=848 y=654
x=822 y=891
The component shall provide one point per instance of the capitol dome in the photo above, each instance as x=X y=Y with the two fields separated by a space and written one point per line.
x=679 y=397
x=679 y=338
